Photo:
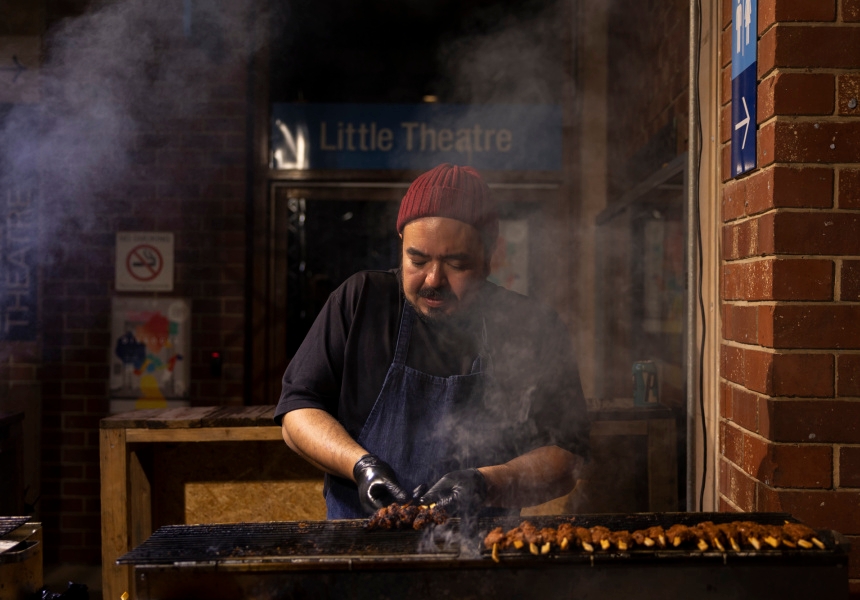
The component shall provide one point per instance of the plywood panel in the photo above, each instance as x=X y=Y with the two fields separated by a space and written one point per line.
x=240 y=502
x=255 y=479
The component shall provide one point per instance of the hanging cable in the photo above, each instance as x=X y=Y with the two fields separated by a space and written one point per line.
x=697 y=204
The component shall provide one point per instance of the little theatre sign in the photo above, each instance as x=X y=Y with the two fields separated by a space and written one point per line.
x=406 y=136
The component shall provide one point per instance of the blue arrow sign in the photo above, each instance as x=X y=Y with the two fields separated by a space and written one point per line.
x=743 y=121
x=744 y=85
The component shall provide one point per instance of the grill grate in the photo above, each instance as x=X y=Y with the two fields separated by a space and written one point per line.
x=10 y=524
x=188 y=544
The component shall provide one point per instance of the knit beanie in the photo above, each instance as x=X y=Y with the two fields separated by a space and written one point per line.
x=454 y=192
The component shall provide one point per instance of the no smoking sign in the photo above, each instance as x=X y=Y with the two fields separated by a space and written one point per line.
x=144 y=261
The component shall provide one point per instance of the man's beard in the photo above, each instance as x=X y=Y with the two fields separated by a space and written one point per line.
x=463 y=318
x=434 y=316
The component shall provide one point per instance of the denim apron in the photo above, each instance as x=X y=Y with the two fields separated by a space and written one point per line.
x=411 y=424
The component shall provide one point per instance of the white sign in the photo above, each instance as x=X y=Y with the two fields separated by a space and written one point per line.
x=144 y=261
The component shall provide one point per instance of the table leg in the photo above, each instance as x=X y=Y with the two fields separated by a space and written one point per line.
x=115 y=518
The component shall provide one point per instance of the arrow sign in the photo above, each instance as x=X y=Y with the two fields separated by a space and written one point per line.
x=745 y=123
x=744 y=85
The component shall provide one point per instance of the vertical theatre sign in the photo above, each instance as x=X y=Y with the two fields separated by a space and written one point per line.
x=19 y=190
x=18 y=273
x=744 y=78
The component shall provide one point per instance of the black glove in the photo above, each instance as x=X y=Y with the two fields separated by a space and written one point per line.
x=458 y=492
x=377 y=484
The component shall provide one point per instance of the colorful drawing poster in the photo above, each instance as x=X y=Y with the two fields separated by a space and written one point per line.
x=150 y=346
x=510 y=263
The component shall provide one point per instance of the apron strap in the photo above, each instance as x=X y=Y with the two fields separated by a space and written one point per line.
x=484 y=361
x=405 y=332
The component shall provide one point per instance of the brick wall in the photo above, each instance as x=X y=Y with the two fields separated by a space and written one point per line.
x=174 y=161
x=790 y=416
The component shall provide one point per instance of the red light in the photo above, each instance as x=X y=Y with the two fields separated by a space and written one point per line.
x=216 y=355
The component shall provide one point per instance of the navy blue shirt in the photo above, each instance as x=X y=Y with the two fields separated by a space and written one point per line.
x=341 y=364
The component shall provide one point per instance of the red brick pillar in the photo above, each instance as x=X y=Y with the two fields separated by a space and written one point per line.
x=790 y=288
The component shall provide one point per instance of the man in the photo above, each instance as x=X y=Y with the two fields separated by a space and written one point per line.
x=429 y=376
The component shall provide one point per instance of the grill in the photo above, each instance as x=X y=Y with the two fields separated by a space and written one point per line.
x=340 y=559
x=20 y=557
x=10 y=524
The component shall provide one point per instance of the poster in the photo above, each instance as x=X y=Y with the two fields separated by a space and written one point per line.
x=510 y=263
x=150 y=346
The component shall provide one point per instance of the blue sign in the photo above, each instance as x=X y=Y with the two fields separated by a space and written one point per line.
x=744 y=85
x=407 y=136
x=19 y=284
x=744 y=121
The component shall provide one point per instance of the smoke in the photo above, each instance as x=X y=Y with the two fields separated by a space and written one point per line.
x=110 y=78
x=507 y=58
x=126 y=96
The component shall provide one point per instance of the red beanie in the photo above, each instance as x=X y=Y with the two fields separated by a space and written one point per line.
x=453 y=192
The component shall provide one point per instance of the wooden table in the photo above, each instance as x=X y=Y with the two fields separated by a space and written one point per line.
x=195 y=465
x=633 y=477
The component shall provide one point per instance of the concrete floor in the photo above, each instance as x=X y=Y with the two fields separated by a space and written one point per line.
x=57 y=577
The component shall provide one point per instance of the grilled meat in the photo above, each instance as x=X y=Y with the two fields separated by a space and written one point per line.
x=678 y=534
x=406 y=516
x=600 y=535
x=653 y=536
x=704 y=536
x=621 y=539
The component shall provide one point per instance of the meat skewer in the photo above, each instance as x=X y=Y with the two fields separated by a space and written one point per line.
x=751 y=533
x=678 y=534
x=772 y=535
x=801 y=535
x=583 y=535
x=600 y=535
x=496 y=539
x=549 y=536
x=731 y=533
x=566 y=534
x=653 y=536
x=622 y=539
x=709 y=533
x=705 y=535
x=406 y=516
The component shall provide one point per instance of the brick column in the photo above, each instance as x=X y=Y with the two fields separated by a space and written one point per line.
x=790 y=285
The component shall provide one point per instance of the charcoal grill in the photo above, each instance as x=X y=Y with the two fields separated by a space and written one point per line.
x=20 y=557
x=340 y=559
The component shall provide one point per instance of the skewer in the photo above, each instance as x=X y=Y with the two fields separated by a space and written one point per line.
x=733 y=535
x=600 y=535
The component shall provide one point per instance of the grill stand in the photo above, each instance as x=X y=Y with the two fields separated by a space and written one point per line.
x=548 y=581
x=339 y=559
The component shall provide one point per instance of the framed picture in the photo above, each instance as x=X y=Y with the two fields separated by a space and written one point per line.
x=150 y=346
x=510 y=263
